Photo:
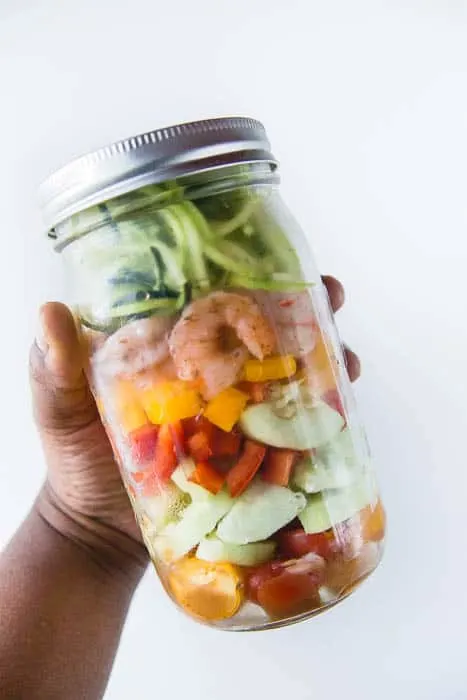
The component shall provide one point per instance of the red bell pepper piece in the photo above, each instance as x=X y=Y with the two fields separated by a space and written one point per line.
x=278 y=466
x=244 y=470
x=208 y=477
x=199 y=446
x=178 y=438
x=169 y=450
x=226 y=444
x=143 y=443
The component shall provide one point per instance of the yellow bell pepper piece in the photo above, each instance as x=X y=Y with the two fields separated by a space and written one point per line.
x=171 y=401
x=280 y=367
x=129 y=411
x=225 y=409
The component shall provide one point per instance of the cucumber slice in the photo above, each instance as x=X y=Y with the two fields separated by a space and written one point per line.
x=328 y=508
x=180 y=477
x=213 y=549
x=309 y=427
x=158 y=511
x=333 y=466
x=312 y=475
x=198 y=519
x=259 y=512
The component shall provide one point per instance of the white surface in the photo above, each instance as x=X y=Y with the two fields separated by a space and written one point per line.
x=366 y=106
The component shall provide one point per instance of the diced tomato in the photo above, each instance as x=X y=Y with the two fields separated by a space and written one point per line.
x=168 y=446
x=226 y=444
x=199 y=446
x=278 y=466
x=287 y=588
x=143 y=443
x=333 y=399
x=208 y=477
x=297 y=543
x=258 y=575
x=244 y=470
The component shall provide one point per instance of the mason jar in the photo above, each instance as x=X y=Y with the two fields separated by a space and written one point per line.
x=218 y=373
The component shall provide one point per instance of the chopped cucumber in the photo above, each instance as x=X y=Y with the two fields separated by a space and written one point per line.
x=312 y=475
x=198 y=519
x=259 y=512
x=180 y=478
x=326 y=509
x=213 y=549
x=308 y=428
x=158 y=511
x=333 y=466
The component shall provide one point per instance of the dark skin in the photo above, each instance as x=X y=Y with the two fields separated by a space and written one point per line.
x=68 y=575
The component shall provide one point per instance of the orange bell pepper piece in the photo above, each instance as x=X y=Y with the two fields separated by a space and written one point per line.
x=128 y=408
x=171 y=401
x=225 y=409
x=272 y=368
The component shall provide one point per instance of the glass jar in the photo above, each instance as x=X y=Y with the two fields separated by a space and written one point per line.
x=218 y=373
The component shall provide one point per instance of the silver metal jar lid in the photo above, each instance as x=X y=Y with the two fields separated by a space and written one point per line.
x=159 y=155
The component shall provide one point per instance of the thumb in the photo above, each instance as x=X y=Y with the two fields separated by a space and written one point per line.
x=60 y=393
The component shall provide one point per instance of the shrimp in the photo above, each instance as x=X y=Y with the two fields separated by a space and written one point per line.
x=214 y=338
x=136 y=347
x=292 y=317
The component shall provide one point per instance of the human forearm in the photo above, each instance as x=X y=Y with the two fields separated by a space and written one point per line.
x=65 y=589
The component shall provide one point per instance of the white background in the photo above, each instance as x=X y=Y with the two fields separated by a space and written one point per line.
x=366 y=106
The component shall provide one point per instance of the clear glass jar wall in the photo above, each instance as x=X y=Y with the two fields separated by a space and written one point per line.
x=220 y=379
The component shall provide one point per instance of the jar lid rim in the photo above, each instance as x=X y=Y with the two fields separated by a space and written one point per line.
x=155 y=156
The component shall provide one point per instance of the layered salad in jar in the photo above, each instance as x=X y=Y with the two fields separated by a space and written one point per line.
x=222 y=389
